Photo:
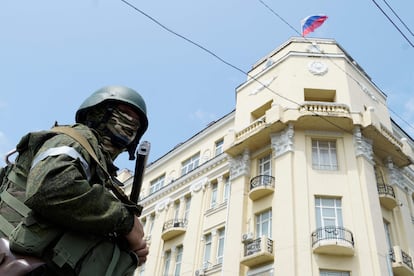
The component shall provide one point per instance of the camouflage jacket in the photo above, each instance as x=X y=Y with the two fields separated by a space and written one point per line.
x=65 y=187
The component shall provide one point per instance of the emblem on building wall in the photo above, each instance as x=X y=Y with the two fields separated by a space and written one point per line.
x=318 y=68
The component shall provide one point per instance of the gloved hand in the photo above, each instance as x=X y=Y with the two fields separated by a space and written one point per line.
x=136 y=241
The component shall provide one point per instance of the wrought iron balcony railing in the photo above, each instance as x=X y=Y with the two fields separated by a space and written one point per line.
x=174 y=223
x=262 y=181
x=384 y=189
x=398 y=255
x=261 y=244
x=333 y=233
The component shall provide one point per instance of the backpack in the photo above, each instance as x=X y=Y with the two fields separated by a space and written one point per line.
x=13 y=181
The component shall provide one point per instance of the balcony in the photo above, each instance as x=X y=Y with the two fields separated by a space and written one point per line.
x=387 y=196
x=173 y=228
x=257 y=251
x=261 y=186
x=333 y=240
x=325 y=108
x=402 y=263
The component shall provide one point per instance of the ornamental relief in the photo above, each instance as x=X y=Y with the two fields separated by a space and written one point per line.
x=363 y=146
x=283 y=141
x=240 y=165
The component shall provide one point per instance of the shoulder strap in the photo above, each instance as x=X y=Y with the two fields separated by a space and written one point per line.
x=78 y=137
x=81 y=140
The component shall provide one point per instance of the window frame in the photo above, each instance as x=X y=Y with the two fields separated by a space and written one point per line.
x=218 y=147
x=324 y=158
x=260 y=222
x=157 y=183
x=190 y=164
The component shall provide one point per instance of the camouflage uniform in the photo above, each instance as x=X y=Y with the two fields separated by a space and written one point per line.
x=74 y=209
x=71 y=219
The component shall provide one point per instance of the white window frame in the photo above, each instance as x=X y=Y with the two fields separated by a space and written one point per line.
x=325 y=272
x=157 y=184
x=327 y=212
x=226 y=192
x=214 y=195
x=265 y=165
x=207 y=250
x=218 y=147
x=176 y=210
x=190 y=164
x=187 y=206
x=220 y=245
x=167 y=262
x=264 y=224
x=324 y=154
x=178 y=260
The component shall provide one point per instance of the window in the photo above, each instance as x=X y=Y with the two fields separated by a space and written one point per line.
x=319 y=95
x=213 y=200
x=266 y=270
x=167 y=261
x=219 y=147
x=176 y=210
x=265 y=165
x=151 y=222
x=328 y=212
x=220 y=247
x=226 y=189
x=178 y=259
x=207 y=250
x=157 y=184
x=264 y=224
x=187 y=207
x=388 y=234
x=379 y=176
x=142 y=270
x=334 y=273
x=190 y=164
x=324 y=155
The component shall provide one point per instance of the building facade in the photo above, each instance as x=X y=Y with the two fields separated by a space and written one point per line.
x=309 y=175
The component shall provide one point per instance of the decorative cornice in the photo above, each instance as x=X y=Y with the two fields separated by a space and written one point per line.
x=282 y=142
x=164 y=204
x=199 y=185
x=185 y=179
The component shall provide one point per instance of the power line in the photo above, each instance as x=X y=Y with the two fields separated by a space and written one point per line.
x=224 y=61
x=396 y=15
x=233 y=66
x=281 y=18
x=392 y=22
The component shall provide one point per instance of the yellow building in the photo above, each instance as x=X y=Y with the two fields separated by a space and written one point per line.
x=308 y=175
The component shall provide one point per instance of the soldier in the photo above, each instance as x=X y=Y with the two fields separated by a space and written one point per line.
x=75 y=223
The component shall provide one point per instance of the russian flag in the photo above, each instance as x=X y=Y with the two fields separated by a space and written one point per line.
x=310 y=23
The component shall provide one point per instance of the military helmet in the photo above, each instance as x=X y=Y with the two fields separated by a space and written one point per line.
x=117 y=94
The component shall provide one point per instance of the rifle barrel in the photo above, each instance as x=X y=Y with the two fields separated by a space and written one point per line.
x=140 y=164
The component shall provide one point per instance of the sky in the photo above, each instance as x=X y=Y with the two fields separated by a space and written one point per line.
x=54 y=54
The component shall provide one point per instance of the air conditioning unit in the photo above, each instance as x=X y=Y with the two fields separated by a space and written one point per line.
x=247 y=237
x=199 y=272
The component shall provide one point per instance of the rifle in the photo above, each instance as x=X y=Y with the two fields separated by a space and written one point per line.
x=140 y=164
